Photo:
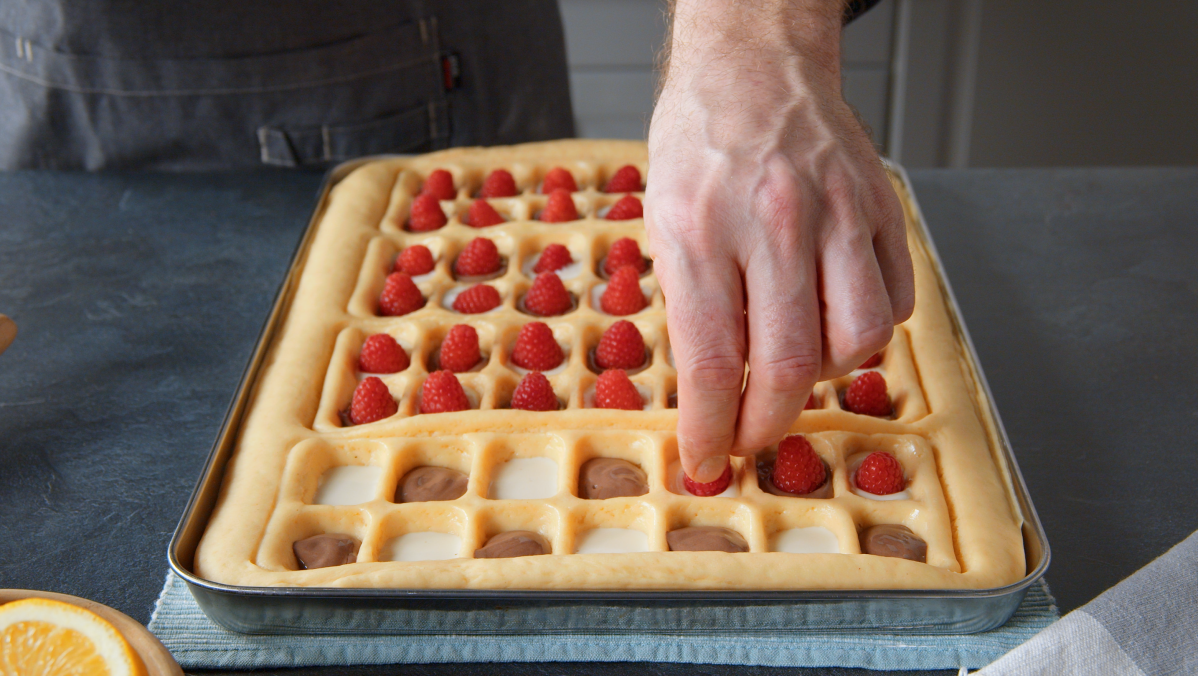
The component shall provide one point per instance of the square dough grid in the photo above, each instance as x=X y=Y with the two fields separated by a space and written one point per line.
x=293 y=432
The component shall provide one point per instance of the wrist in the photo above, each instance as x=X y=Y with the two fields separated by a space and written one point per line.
x=763 y=36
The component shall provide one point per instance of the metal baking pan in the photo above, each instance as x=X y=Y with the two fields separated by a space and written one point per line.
x=303 y=610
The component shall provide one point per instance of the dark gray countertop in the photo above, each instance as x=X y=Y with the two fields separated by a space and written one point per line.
x=139 y=297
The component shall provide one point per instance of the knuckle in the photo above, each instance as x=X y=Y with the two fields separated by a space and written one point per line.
x=870 y=335
x=840 y=191
x=789 y=373
x=902 y=303
x=780 y=197
x=678 y=228
x=718 y=371
x=887 y=211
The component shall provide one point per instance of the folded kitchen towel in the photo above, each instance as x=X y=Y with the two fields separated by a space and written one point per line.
x=197 y=642
x=1146 y=624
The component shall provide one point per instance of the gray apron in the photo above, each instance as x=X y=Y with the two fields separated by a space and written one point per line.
x=168 y=84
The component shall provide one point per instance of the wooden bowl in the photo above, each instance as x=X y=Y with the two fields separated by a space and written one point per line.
x=153 y=654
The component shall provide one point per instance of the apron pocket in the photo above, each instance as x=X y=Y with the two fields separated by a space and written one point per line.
x=378 y=92
x=412 y=129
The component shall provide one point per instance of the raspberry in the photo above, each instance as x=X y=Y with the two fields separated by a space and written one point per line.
x=709 y=489
x=534 y=393
x=459 y=350
x=480 y=257
x=615 y=390
x=372 y=401
x=548 y=296
x=559 y=207
x=499 y=183
x=536 y=349
x=483 y=215
x=439 y=184
x=442 y=393
x=415 y=260
x=811 y=403
x=626 y=179
x=624 y=251
x=381 y=354
x=620 y=347
x=558 y=178
x=477 y=299
x=623 y=295
x=627 y=208
x=798 y=469
x=400 y=296
x=426 y=214
x=553 y=258
x=872 y=362
x=867 y=395
x=880 y=474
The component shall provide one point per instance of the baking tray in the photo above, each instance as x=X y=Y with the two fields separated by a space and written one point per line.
x=324 y=610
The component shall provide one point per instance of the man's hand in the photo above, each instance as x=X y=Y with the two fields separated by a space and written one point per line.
x=776 y=236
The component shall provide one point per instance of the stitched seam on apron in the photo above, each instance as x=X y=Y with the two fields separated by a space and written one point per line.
x=218 y=92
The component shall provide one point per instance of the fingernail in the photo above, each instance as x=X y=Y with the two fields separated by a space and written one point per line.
x=711 y=469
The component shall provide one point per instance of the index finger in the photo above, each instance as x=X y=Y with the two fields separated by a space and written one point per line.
x=705 y=314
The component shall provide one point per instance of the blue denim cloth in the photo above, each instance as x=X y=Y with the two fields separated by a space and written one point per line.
x=196 y=642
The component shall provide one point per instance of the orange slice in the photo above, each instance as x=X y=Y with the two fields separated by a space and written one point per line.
x=40 y=637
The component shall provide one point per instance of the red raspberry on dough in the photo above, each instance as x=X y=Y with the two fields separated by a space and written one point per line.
x=872 y=362
x=381 y=354
x=548 y=296
x=459 y=350
x=415 y=260
x=480 y=257
x=711 y=488
x=623 y=295
x=442 y=393
x=620 y=347
x=797 y=468
x=558 y=178
x=880 y=474
x=628 y=208
x=477 y=299
x=811 y=403
x=426 y=214
x=534 y=393
x=615 y=390
x=624 y=251
x=499 y=183
x=439 y=184
x=553 y=258
x=400 y=296
x=483 y=215
x=536 y=349
x=867 y=395
x=372 y=401
x=559 y=208
x=626 y=179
